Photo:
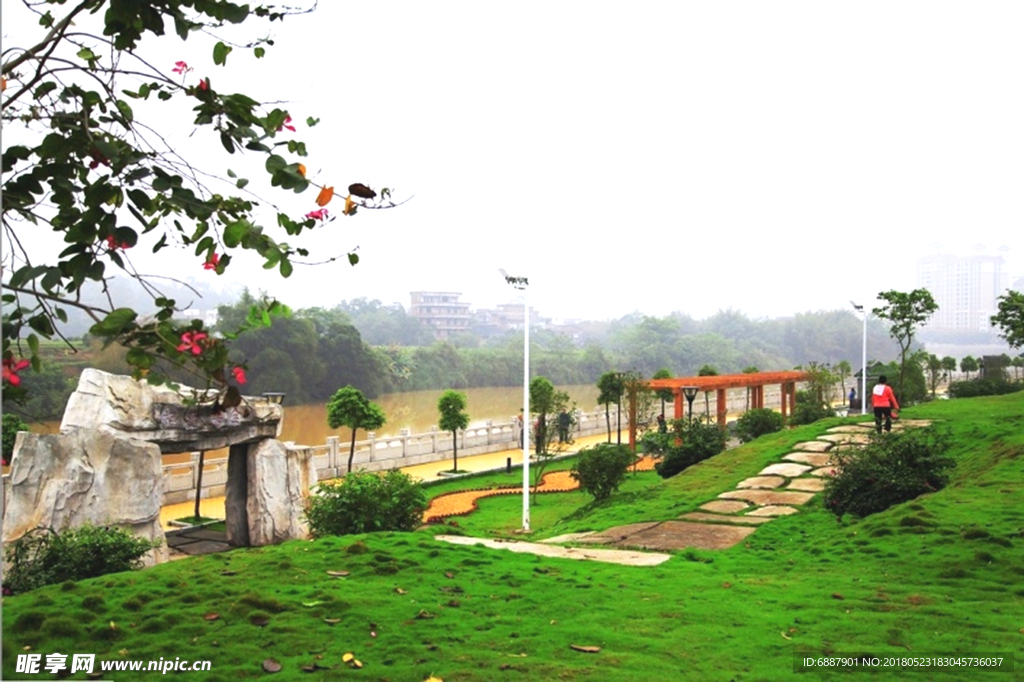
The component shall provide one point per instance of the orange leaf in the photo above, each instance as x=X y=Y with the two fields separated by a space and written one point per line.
x=302 y=170
x=325 y=196
x=349 y=205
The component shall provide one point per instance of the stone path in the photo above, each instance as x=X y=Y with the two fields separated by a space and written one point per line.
x=196 y=541
x=779 y=489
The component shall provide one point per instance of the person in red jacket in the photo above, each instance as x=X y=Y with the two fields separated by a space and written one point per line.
x=884 y=402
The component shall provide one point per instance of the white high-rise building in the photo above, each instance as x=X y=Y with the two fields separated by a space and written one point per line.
x=966 y=288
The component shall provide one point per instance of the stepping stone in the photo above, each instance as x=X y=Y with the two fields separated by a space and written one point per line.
x=816 y=459
x=773 y=510
x=847 y=438
x=814 y=446
x=684 y=534
x=724 y=506
x=767 y=497
x=849 y=428
x=768 y=482
x=612 y=535
x=905 y=423
x=787 y=469
x=823 y=471
x=611 y=556
x=722 y=518
x=813 y=485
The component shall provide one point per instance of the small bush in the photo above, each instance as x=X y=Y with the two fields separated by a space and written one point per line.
x=891 y=469
x=364 y=502
x=601 y=469
x=808 y=410
x=12 y=424
x=754 y=423
x=698 y=440
x=44 y=557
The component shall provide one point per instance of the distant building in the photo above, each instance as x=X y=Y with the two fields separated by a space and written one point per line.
x=441 y=311
x=966 y=289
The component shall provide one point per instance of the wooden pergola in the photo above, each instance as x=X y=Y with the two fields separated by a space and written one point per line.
x=721 y=383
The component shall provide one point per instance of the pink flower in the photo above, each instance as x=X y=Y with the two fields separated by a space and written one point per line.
x=11 y=369
x=287 y=125
x=190 y=342
x=319 y=214
x=180 y=67
x=211 y=263
x=204 y=84
x=239 y=374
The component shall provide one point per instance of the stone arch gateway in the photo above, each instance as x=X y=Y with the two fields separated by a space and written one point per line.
x=105 y=467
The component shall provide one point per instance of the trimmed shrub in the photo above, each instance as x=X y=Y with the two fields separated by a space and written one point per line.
x=698 y=439
x=365 y=502
x=979 y=387
x=891 y=469
x=44 y=557
x=601 y=469
x=754 y=423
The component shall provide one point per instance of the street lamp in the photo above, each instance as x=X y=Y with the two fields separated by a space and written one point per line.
x=520 y=283
x=863 y=359
x=274 y=397
x=690 y=392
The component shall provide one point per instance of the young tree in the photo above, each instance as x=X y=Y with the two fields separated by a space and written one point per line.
x=707 y=371
x=948 y=367
x=906 y=312
x=89 y=122
x=664 y=394
x=968 y=364
x=1010 y=318
x=610 y=391
x=547 y=403
x=843 y=371
x=349 y=407
x=933 y=368
x=452 y=406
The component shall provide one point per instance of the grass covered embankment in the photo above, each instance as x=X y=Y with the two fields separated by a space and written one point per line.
x=942 y=574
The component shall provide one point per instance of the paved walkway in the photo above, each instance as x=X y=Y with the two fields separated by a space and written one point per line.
x=779 y=489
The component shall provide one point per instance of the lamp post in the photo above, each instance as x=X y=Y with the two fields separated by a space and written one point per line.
x=520 y=283
x=274 y=397
x=690 y=392
x=863 y=359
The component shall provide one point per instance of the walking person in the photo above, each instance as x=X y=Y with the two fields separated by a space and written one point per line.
x=853 y=396
x=884 y=402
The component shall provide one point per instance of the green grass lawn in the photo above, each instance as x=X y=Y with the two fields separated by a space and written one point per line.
x=942 y=574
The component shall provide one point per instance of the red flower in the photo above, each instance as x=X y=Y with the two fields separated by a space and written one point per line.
x=211 y=262
x=11 y=369
x=319 y=214
x=190 y=341
x=113 y=244
x=204 y=84
x=287 y=125
x=180 y=67
x=97 y=159
x=239 y=374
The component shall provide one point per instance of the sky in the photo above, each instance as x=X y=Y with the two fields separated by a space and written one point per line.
x=765 y=157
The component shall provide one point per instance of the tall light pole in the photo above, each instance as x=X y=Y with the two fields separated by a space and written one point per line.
x=521 y=283
x=863 y=359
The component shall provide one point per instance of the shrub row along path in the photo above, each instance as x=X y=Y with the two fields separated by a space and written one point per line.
x=779 y=489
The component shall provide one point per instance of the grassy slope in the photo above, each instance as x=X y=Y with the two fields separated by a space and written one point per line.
x=941 y=574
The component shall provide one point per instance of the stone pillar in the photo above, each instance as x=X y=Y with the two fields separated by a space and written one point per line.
x=279 y=480
x=62 y=481
x=236 y=514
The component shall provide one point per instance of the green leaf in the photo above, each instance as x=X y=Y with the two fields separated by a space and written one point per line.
x=242 y=182
x=259 y=52
x=33 y=344
x=310 y=121
x=353 y=258
x=231 y=174
x=125 y=110
x=227 y=143
x=220 y=53
x=286 y=267
x=236 y=232
x=86 y=54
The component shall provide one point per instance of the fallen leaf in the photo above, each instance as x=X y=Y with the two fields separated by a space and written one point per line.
x=726 y=585
x=348 y=657
x=424 y=615
x=229 y=572
x=311 y=604
x=399 y=590
x=259 y=621
x=357 y=664
x=271 y=666
x=585 y=649
x=211 y=616
x=332 y=621
x=338 y=574
x=433 y=679
x=113 y=625
x=785 y=636
x=449 y=574
x=836 y=595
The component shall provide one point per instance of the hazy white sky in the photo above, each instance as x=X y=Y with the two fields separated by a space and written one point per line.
x=770 y=157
